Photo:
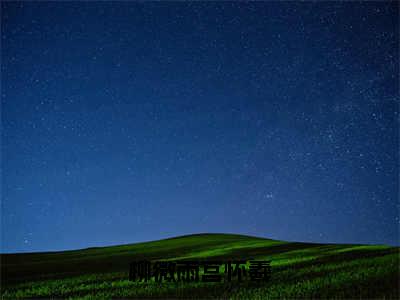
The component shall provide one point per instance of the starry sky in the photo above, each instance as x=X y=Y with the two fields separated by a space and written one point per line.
x=129 y=121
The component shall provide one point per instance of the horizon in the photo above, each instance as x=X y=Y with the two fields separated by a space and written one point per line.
x=189 y=235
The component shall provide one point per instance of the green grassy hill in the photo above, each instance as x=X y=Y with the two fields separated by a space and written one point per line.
x=299 y=270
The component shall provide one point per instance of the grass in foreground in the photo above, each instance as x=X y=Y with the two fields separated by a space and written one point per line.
x=299 y=270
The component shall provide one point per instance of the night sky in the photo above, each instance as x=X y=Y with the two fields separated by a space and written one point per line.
x=125 y=122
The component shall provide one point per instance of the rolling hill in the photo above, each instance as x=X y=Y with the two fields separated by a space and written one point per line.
x=299 y=270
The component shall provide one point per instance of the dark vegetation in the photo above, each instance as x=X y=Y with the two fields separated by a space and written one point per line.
x=299 y=270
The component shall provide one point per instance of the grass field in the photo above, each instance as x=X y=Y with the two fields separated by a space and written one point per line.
x=299 y=270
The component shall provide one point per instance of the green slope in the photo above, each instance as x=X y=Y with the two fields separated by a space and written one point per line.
x=298 y=270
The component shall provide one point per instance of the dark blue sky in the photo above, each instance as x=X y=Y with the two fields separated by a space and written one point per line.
x=125 y=121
